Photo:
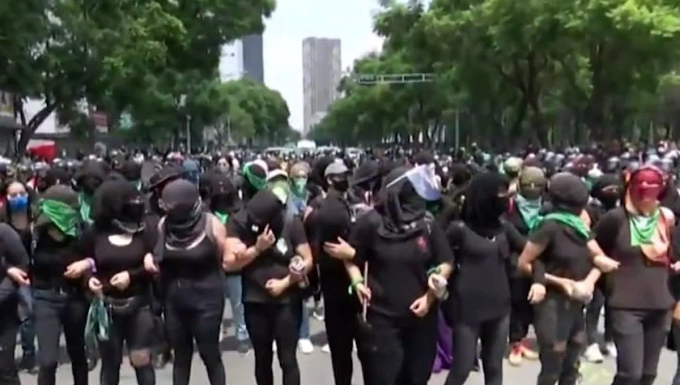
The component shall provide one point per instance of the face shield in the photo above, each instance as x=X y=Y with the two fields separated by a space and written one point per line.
x=424 y=181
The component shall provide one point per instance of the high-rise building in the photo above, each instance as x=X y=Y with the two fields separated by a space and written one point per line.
x=243 y=57
x=321 y=74
x=253 y=57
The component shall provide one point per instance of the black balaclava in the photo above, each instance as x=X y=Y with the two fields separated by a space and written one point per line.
x=185 y=218
x=120 y=206
x=132 y=171
x=567 y=193
x=366 y=180
x=485 y=202
x=219 y=193
x=607 y=189
x=263 y=209
x=317 y=176
x=401 y=208
x=158 y=181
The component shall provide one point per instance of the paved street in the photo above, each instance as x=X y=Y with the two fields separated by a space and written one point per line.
x=316 y=370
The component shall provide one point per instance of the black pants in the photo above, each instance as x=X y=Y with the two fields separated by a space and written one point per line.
x=56 y=311
x=399 y=351
x=9 y=326
x=561 y=335
x=342 y=331
x=593 y=310
x=269 y=322
x=193 y=311
x=521 y=313
x=639 y=336
x=493 y=335
x=135 y=328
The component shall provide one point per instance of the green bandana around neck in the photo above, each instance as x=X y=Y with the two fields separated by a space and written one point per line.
x=85 y=207
x=571 y=220
x=299 y=187
x=223 y=217
x=63 y=216
x=529 y=210
x=434 y=207
x=642 y=228
x=258 y=182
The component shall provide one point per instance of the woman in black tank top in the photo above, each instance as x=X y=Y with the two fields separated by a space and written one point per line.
x=189 y=257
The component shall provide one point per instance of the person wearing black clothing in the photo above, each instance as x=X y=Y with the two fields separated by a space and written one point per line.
x=221 y=199
x=398 y=247
x=118 y=242
x=56 y=272
x=483 y=245
x=189 y=256
x=330 y=220
x=165 y=175
x=607 y=193
x=524 y=214
x=274 y=257
x=13 y=265
x=560 y=252
x=637 y=235
x=18 y=215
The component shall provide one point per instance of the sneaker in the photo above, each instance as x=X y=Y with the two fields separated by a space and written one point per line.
x=326 y=349
x=610 y=349
x=317 y=312
x=593 y=354
x=244 y=347
x=274 y=348
x=515 y=357
x=527 y=352
x=305 y=345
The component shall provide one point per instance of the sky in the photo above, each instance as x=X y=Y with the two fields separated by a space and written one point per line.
x=348 y=20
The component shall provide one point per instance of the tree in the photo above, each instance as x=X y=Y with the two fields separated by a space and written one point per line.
x=506 y=72
x=117 y=55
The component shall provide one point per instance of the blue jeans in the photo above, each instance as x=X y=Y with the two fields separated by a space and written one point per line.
x=232 y=287
x=304 y=326
x=27 y=328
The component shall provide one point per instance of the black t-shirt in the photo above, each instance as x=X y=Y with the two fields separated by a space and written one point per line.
x=112 y=259
x=566 y=252
x=50 y=259
x=272 y=263
x=397 y=268
x=638 y=283
x=480 y=286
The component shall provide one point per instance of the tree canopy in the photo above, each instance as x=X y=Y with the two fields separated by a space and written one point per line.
x=504 y=72
x=136 y=59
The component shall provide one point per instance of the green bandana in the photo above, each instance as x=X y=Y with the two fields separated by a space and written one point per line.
x=222 y=217
x=299 y=187
x=257 y=182
x=529 y=210
x=642 y=228
x=571 y=220
x=138 y=185
x=84 y=207
x=63 y=216
x=98 y=323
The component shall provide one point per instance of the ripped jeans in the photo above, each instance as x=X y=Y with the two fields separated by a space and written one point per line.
x=560 y=330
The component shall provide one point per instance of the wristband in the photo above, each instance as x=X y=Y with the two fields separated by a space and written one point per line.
x=93 y=266
x=434 y=270
x=354 y=284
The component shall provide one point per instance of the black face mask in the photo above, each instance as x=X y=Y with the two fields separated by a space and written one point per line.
x=499 y=206
x=341 y=185
x=133 y=212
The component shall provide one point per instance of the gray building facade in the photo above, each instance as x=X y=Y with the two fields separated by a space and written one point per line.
x=321 y=75
x=253 y=57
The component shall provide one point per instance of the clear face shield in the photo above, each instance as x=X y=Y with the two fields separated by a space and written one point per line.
x=424 y=181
